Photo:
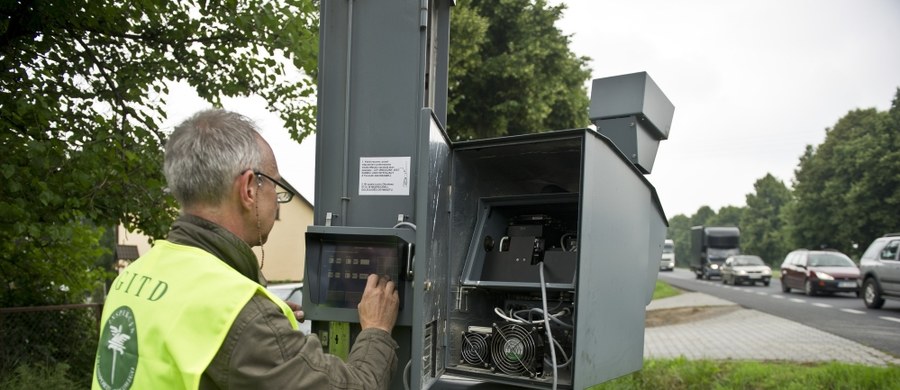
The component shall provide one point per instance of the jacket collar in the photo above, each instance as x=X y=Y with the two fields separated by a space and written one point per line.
x=194 y=231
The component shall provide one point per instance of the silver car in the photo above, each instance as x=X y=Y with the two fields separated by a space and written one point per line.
x=740 y=269
x=879 y=268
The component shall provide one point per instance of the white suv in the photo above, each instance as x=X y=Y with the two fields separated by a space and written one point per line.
x=879 y=270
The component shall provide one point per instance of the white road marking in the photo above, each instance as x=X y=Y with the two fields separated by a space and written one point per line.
x=825 y=305
x=797 y=300
x=778 y=296
x=890 y=319
x=761 y=293
x=852 y=311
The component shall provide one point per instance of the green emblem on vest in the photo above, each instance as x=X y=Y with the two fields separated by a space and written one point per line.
x=117 y=355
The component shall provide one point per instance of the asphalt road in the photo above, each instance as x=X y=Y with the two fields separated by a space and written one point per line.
x=841 y=314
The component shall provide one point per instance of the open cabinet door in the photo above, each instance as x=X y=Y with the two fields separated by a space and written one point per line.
x=430 y=268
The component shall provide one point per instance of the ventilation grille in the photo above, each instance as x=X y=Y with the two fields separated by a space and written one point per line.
x=428 y=350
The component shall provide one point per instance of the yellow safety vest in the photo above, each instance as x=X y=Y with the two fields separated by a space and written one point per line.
x=166 y=316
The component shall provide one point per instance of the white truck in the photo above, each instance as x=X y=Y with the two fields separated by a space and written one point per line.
x=667 y=263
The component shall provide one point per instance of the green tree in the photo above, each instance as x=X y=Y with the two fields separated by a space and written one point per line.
x=680 y=232
x=512 y=71
x=762 y=230
x=703 y=216
x=82 y=104
x=846 y=190
x=727 y=216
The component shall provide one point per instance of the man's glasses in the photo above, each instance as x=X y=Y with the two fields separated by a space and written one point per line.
x=283 y=196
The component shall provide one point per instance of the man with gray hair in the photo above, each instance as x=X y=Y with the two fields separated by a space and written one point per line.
x=193 y=312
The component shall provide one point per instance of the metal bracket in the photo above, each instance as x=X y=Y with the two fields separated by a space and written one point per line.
x=462 y=293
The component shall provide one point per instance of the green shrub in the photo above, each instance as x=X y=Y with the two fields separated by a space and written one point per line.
x=49 y=339
x=28 y=377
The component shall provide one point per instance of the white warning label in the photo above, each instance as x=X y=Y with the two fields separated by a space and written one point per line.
x=384 y=175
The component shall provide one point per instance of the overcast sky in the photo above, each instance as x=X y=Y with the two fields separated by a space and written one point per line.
x=753 y=82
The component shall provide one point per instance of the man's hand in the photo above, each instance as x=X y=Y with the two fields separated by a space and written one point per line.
x=379 y=304
x=298 y=311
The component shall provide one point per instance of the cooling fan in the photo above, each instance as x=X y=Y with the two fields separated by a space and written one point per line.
x=517 y=349
x=475 y=349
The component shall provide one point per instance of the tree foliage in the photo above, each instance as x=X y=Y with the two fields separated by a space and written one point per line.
x=703 y=216
x=847 y=191
x=511 y=71
x=680 y=233
x=81 y=102
x=762 y=231
x=727 y=216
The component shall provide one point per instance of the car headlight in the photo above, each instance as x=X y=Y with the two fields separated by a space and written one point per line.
x=741 y=272
x=767 y=271
x=714 y=266
x=824 y=276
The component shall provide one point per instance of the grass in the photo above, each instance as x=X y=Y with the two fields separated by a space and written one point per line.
x=664 y=290
x=710 y=374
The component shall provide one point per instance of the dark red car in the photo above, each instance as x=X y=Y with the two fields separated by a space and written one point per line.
x=817 y=272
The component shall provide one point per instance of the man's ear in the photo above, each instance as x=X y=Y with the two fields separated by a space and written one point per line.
x=248 y=189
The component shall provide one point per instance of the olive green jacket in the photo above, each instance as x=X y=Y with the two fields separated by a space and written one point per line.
x=262 y=351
